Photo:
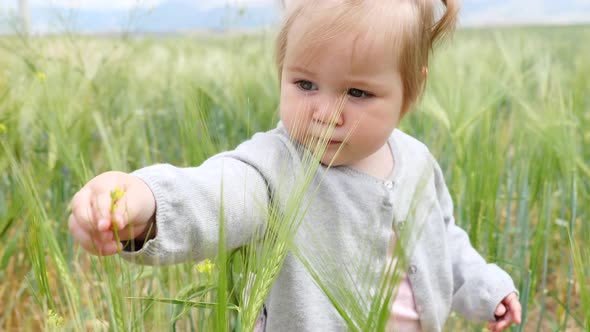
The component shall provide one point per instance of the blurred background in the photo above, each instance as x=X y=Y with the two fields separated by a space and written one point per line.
x=168 y=16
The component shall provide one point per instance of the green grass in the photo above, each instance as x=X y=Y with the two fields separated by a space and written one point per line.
x=506 y=113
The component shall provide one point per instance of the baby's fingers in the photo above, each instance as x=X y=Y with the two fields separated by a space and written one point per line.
x=93 y=242
x=493 y=327
x=120 y=216
x=82 y=210
x=109 y=210
x=500 y=310
x=101 y=211
x=119 y=208
x=516 y=310
x=501 y=324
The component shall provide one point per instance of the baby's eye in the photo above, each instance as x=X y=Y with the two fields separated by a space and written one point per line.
x=357 y=93
x=306 y=85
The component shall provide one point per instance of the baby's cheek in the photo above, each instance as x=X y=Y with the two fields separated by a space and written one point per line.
x=295 y=122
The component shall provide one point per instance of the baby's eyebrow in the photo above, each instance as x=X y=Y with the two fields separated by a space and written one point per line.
x=364 y=83
x=300 y=70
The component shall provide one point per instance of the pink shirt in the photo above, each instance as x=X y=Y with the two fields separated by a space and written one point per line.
x=404 y=316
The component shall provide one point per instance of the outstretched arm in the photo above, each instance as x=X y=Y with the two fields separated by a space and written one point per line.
x=189 y=203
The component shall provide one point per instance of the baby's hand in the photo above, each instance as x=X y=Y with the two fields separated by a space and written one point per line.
x=507 y=312
x=111 y=201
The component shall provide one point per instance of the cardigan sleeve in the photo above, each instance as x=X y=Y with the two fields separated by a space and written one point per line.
x=478 y=287
x=189 y=202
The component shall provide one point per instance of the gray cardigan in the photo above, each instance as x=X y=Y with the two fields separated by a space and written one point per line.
x=351 y=217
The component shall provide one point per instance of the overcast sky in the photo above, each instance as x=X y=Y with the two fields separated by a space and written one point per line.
x=474 y=12
x=126 y=4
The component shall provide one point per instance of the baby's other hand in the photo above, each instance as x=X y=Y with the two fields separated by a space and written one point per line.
x=507 y=312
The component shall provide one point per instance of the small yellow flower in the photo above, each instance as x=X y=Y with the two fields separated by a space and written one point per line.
x=205 y=266
x=41 y=76
x=3 y=128
x=54 y=320
x=116 y=194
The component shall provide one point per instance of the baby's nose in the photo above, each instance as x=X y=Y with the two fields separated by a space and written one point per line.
x=328 y=111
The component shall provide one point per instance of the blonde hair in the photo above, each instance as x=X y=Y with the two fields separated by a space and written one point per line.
x=409 y=26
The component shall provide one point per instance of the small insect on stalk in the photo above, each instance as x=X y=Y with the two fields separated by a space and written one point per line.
x=116 y=195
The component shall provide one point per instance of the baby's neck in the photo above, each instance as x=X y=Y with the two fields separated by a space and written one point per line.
x=380 y=164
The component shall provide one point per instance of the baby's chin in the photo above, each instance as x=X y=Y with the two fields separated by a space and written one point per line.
x=330 y=160
x=334 y=155
x=328 y=163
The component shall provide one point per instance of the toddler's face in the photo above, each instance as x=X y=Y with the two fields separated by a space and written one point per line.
x=364 y=80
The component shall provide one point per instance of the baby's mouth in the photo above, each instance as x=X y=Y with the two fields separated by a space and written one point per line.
x=324 y=141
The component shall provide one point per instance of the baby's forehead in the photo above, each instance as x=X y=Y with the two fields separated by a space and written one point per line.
x=362 y=52
x=364 y=34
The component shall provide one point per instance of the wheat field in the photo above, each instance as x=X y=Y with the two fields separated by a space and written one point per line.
x=506 y=112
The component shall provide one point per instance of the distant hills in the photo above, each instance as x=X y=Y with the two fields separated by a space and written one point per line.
x=167 y=17
x=171 y=16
